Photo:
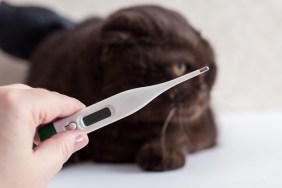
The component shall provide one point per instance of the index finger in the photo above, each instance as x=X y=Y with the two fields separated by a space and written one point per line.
x=45 y=106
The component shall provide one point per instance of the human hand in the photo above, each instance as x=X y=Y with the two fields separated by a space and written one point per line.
x=22 y=110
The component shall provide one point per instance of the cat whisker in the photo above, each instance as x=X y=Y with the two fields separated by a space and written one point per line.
x=164 y=129
x=184 y=128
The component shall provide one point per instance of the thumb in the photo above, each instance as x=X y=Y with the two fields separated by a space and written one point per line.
x=55 y=151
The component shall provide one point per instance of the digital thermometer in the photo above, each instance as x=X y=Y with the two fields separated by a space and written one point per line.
x=112 y=109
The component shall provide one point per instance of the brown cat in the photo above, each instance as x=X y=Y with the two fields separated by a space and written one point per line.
x=134 y=47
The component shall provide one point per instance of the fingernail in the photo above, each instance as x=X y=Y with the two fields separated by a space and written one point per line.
x=80 y=142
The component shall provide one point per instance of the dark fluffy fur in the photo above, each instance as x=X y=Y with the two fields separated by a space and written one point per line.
x=135 y=47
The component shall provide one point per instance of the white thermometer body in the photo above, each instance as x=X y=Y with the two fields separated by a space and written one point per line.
x=113 y=108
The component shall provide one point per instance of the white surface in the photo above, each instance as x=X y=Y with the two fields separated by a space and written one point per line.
x=249 y=154
x=246 y=35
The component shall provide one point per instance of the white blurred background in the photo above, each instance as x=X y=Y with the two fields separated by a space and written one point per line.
x=246 y=35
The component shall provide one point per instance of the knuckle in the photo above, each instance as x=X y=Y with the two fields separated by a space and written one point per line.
x=19 y=85
x=56 y=93
x=42 y=90
x=48 y=94
x=11 y=99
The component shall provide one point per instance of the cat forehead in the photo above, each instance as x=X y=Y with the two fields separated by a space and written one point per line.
x=170 y=56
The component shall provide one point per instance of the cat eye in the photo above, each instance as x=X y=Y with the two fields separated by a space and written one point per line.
x=179 y=69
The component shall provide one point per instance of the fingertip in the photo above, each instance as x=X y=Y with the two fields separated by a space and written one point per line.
x=79 y=103
x=73 y=139
x=81 y=141
x=76 y=104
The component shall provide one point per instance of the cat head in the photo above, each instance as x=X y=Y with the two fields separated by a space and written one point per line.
x=146 y=45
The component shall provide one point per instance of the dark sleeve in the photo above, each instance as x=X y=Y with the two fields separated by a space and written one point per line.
x=22 y=28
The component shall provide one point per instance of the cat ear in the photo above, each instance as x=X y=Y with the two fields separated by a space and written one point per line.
x=148 y=24
x=133 y=24
x=23 y=28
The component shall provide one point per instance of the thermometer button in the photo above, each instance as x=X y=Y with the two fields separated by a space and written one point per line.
x=71 y=126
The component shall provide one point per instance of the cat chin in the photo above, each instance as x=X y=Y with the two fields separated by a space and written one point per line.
x=193 y=109
x=189 y=113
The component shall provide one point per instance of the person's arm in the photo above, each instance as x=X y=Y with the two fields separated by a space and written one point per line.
x=22 y=110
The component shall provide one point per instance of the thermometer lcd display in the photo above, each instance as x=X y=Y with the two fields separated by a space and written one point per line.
x=97 y=116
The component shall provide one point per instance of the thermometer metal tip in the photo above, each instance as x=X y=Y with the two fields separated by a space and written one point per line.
x=113 y=108
x=204 y=69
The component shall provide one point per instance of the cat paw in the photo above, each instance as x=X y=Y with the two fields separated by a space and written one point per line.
x=151 y=157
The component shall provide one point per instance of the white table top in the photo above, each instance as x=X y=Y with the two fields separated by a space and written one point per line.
x=249 y=154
